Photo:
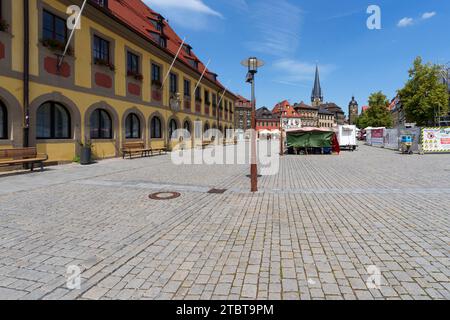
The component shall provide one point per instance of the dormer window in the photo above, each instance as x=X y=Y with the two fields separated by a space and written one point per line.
x=193 y=63
x=160 y=23
x=163 y=42
x=102 y=3
x=159 y=39
x=157 y=24
x=187 y=49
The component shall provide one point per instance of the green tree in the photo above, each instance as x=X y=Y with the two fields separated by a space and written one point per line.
x=424 y=97
x=378 y=114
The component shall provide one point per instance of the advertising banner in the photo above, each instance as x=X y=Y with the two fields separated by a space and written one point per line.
x=391 y=139
x=436 y=140
x=377 y=137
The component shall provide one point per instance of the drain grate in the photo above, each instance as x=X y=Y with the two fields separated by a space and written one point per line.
x=217 y=191
x=164 y=195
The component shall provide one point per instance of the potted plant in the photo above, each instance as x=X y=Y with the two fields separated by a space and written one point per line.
x=4 y=26
x=86 y=152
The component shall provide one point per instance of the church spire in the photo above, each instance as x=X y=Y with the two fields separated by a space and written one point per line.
x=316 y=96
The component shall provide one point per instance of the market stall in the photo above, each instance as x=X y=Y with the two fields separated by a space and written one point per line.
x=312 y=141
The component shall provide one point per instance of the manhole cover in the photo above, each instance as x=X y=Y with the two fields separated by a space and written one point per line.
x=217 y=191
x=164 y=195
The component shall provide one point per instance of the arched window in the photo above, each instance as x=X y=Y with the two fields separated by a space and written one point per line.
x=132 y=127
x=156 y=132
x=187 y=127
x=101 y=125
x=3 y=122
x=53 y=121
x=172 y=128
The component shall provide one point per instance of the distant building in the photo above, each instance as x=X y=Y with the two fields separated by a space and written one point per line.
x=266 y=120
x=308 y=114
x=339 y=114
x=326 y=118
x=353 y=111
x=320 y=113
x=364 y=109
x=289 y=117
x=397 y=112
x=242 y=113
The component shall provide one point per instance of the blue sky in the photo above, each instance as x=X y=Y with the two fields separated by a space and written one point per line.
x=292 y=35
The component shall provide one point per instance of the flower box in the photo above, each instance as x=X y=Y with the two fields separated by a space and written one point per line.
x=105 y=63
x=135 y=75
x=156 y=83
x=56 y=46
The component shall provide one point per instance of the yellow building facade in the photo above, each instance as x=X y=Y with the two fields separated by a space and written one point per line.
x=85 y=100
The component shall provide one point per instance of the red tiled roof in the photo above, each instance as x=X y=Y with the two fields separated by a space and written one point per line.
x=242 y=99
x=303 y=105
x=137 y=15
x=285 y=108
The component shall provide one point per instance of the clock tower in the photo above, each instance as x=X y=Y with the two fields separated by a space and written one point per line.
x=353 y=111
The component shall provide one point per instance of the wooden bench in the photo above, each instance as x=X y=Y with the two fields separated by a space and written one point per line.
x=206 y=144
x=135 y=148
x=159 y=150
x=18 y=156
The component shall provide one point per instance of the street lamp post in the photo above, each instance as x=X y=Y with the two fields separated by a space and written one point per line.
x=281 y=136
x=253 y=64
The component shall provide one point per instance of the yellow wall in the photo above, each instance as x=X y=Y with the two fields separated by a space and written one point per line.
x=57 y=151
x=82 y=78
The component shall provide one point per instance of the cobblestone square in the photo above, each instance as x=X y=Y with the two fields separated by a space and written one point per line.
x=311 y=232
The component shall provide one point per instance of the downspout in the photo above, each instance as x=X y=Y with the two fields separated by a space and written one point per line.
x=26 y=73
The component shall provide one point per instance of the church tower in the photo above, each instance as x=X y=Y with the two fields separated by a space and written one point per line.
x=316 y=96
x=353 y=111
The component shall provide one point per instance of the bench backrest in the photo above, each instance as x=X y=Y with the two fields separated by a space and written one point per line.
x=18 y=153
x=134 y=145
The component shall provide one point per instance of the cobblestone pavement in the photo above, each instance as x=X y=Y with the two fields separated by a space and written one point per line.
x=310 y=233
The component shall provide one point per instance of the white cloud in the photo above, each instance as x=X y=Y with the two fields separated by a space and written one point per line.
x=405 y=22
x=428 y=15
x=277 y=27
x=293 y=71
x=190 y=14
x=185 y=5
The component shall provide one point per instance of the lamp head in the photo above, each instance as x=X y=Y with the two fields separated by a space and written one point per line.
x=252 y=64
